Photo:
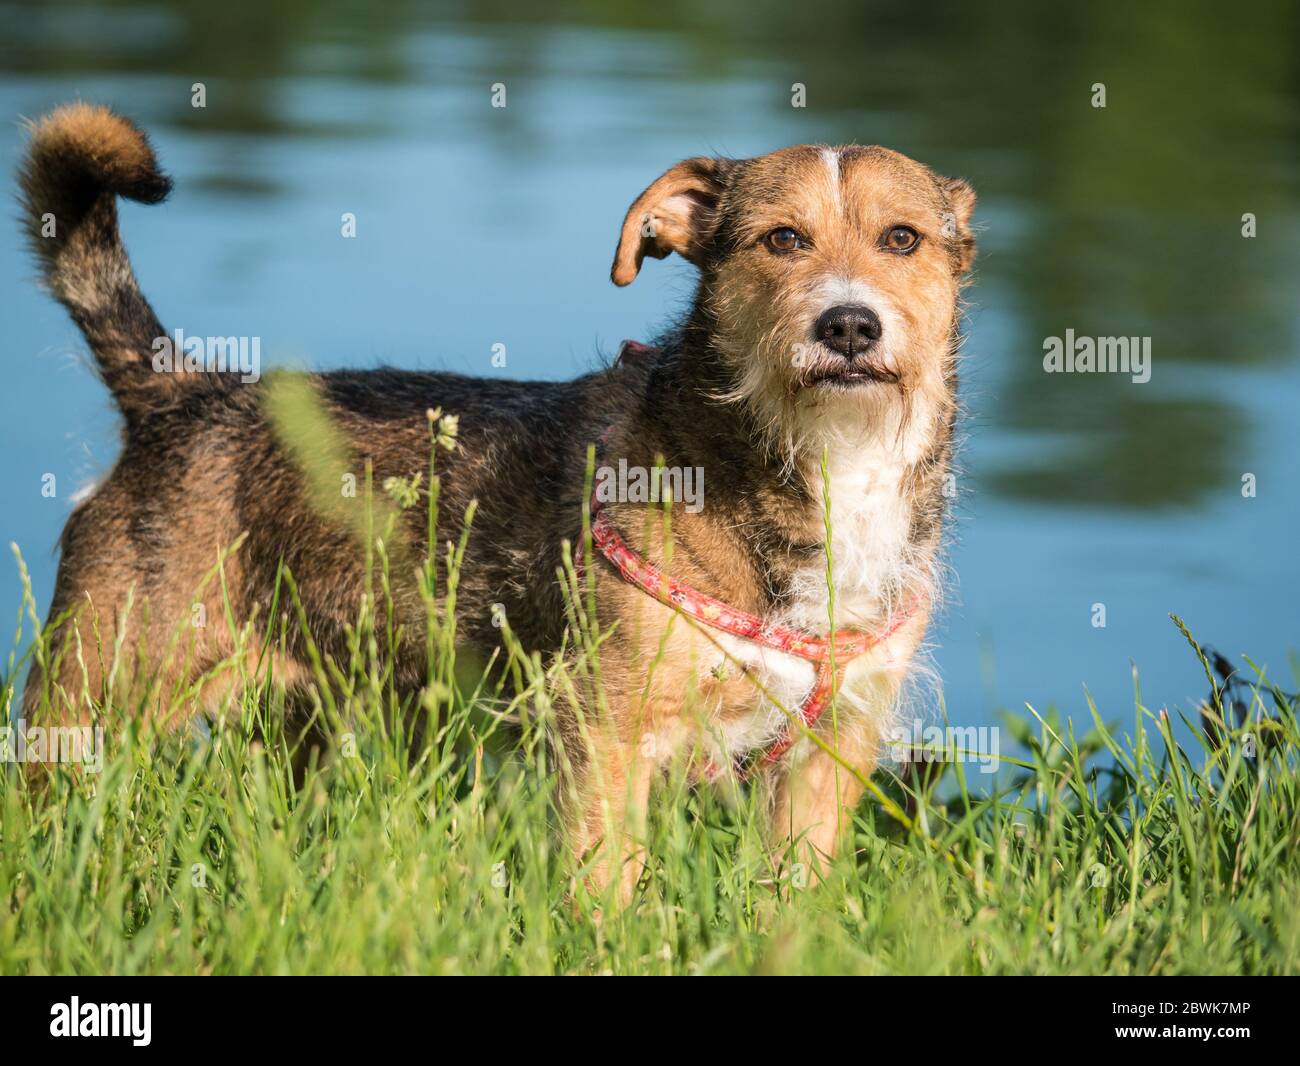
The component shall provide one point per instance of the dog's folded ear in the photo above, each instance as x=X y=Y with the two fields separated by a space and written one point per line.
x=675 y=214
x=961 y=205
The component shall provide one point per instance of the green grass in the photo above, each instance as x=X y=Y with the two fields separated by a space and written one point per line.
x=1105 y=852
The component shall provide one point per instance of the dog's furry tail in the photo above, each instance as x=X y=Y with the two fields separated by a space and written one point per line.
x=80 y=159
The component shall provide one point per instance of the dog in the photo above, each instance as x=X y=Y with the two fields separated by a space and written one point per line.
x=812 y=384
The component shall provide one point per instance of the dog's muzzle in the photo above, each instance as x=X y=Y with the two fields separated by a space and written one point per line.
x=849 y=335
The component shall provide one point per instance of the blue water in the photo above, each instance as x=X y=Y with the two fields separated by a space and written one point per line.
x=480 y=226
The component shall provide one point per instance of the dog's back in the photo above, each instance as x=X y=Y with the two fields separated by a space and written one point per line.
x=275 y=467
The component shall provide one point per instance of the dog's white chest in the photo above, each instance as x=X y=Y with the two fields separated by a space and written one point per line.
x=870 y=542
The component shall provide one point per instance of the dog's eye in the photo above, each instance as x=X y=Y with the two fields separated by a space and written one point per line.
x=783 y=239
x=900 y=239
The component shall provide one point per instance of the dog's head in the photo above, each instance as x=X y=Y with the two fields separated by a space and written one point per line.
x=830 y=276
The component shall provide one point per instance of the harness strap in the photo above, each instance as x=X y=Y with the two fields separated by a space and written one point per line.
x=639 y=571
x=831 y=657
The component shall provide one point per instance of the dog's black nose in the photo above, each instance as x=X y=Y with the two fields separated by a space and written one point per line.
x=849 y=329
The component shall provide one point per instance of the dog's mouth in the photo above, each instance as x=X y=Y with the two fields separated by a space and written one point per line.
x=851 y=375
x=834 y=368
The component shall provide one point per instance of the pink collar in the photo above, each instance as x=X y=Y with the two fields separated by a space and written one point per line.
x=830 y=657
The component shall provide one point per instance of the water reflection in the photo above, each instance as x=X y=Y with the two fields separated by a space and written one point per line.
x=1129 y=217
x=1116 y=221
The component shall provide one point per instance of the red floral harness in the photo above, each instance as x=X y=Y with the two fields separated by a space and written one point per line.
x=830 y=657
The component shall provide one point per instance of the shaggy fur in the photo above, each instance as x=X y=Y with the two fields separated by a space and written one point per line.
x=744 y=388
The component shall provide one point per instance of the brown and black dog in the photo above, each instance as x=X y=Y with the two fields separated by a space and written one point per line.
x=813 y=381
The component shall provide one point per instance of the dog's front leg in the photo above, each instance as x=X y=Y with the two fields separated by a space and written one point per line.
x=816 y=795
x=607 y=824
